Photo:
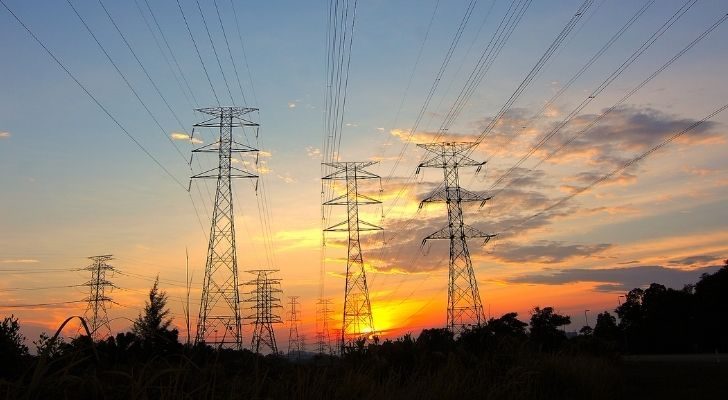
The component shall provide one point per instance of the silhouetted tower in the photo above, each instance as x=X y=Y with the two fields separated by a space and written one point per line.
x=219 y=318
x=294 y=340
x=357 y=321
x=96 y=313
x=464 y=307
x=324 y=310
x=265 y=301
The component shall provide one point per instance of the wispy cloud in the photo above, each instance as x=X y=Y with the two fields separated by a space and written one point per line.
x=19 y=261
x=4 y=135
x=617 y=279
x=184 y=136
x=313 y=152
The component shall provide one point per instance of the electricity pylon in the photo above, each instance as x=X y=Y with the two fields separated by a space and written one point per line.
x=323 y=321
x=265 y=300
x=96 y=314
x=464 y=306
x=294 y=340
x=219 y=318
x=357 y=322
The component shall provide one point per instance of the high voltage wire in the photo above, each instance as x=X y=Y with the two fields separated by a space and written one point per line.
x=227 y=43
x=141 y=65
x=433 y=88
x=95 y=100
x=214 y=50
x=171 y=52
x=586 y=66
x=604 y=113
x=164 y=54
x=124 y=78
x=473 y=80
x=197 y=50
x=35 y=305
x=621 y=168
x=508 y=24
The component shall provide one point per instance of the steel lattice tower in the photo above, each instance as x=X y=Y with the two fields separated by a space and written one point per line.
x=219 y=318
x=323 y=320
x=357 y=320
x=264 y=299
x=96 y=314
x=464 y=307
x=294 y=340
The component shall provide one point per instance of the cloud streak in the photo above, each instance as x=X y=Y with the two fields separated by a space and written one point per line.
x=617 y=279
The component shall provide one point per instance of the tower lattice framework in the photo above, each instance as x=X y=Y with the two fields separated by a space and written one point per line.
x=219 y=317
x=264 y=299
x=464 y=308
x=357 y=321
x=295 y=346
x=324 y=310
x=96 y=313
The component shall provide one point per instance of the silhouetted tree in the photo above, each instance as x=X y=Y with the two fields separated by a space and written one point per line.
x=152 y=327
x=508 y=325
x=711 y=304
x=12 y=346
x=545 y=332
x=48 y=345
x=606 y=327
x=435 y=340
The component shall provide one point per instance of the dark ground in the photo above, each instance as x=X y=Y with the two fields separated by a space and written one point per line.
x=689 y=376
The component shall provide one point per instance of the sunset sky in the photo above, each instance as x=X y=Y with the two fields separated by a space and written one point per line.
x=73 y=184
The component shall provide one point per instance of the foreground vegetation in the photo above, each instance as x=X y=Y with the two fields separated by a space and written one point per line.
x=503 y=359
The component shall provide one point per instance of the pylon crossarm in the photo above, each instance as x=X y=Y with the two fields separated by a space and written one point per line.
x=473 y=233
x=208 y=148
x=241 y=148
x=368 y=226
x=443 y=233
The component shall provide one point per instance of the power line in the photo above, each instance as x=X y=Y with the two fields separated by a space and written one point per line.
x=95 y=100
x=622 y=168
x=124 y=78
x=197 y=50
x=214 y=50
x=604 y=113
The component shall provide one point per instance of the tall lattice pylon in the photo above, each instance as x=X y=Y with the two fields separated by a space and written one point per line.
x=464 y=306
x=324 y=310
x=294 y=318
x=264 y=299
x=357 y=321
x=96 y=314
x=219 y=318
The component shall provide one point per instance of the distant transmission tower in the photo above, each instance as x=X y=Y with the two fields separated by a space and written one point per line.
x=357 y=321
x=464 y=307
x=265 y=300
x=219 y=318
x=294 y=340
x=323 y=322
x=96 y=314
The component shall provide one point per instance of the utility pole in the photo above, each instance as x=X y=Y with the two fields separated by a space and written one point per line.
x=294 y=340
x=357 y=321
x=324 y=310
x=464 y=308
x=265 y=300
x=219 y=318
x=96 y=314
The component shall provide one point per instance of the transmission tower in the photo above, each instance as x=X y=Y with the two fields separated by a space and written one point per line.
x=265 y=300
x=323 y=321
x=294 y=340
x=464 y=307
x=219 y=318
x=357 y=321
x=96 y=314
